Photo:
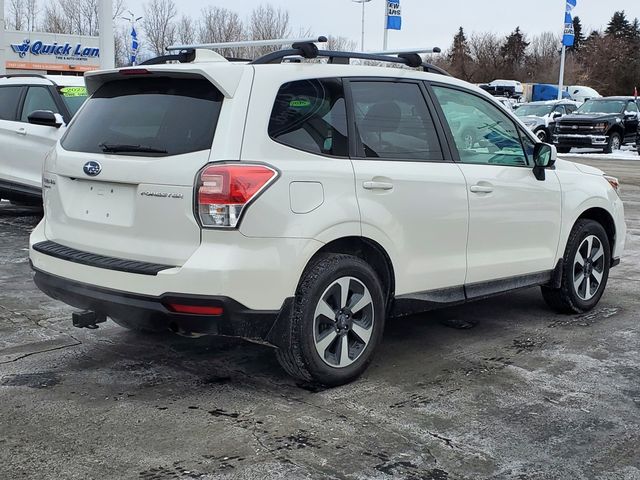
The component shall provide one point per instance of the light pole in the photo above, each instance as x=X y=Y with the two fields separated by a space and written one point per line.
x=107 y=45
x=2 y=27
x=132 y=19
x=363 y=2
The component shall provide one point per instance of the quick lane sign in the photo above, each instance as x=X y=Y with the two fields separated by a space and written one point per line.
x=61 y=51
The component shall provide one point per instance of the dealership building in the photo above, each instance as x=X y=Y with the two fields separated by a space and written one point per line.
x=35 y=52
x=53 y=53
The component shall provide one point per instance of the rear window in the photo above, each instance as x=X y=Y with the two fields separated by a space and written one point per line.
x=165 y=116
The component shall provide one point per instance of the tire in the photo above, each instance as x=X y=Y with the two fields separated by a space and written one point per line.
x=614 y=144
x=563 y=149
x=587 y=239
x=316 y=353
x=542 y=135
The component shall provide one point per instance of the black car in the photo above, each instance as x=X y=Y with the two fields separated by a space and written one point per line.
x=606 y=123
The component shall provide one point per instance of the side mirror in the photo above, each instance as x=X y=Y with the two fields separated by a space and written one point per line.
x=45 y=118
x=556 y=115
x=544 y=156
x=630 y=115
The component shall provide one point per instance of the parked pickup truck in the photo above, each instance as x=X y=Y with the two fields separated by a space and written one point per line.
x=606 y=123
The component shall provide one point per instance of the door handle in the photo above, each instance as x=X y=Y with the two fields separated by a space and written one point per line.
x=377 y=185
x=480 y=189
x=21 y=131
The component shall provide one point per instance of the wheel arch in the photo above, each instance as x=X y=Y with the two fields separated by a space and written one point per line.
x=371 y=252
x=604 y=218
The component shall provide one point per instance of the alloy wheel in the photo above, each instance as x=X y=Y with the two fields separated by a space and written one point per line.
x=588 y=268
x=343 y=322
x=615 y=143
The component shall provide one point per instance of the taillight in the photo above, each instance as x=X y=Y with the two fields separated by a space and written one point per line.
x=224 y=190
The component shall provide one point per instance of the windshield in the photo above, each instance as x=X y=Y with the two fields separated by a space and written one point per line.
x=602 y=106
x=534 y=110
x=148 y=116
x=73 y=97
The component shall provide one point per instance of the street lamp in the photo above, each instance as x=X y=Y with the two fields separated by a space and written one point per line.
x=132 y=19
x=363 y=2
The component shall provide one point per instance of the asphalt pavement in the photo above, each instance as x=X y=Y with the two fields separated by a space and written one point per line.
x=525 y=394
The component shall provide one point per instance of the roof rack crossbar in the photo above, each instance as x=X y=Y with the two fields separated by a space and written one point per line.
x=410 y=59
x=31 y=75
x=251 y=43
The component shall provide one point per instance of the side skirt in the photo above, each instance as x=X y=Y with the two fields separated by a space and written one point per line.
x=421 y=302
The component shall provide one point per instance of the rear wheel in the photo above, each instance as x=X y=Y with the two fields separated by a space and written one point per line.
x=585 y=270
x=615 y=142
x=337 y=321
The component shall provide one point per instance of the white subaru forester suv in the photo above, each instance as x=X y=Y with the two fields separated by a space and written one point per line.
x=303 y=204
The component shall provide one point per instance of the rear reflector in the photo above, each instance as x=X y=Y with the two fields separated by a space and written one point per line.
x=195 y=309
x=224 y=190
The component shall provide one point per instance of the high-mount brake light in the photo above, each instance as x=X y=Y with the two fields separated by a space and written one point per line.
x=134 y=71
x=223 y=191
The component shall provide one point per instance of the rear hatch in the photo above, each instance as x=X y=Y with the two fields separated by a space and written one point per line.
x=121 y=181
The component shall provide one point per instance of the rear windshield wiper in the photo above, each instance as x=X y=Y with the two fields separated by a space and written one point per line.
x=123 y=148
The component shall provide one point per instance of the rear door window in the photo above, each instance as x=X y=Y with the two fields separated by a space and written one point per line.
x=38 y=98
x=394 y=122
x=9 y=98
x=310 y=115
x=164 y=116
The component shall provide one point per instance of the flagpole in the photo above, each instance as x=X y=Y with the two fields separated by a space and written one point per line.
x=385 y=40
x=561 y=80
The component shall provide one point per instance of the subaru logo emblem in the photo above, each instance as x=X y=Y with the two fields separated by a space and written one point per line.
x=92 y=168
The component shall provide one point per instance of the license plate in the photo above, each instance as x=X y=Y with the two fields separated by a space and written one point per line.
x=101 y=202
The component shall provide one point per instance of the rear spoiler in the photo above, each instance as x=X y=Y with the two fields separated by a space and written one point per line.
x=226 y=79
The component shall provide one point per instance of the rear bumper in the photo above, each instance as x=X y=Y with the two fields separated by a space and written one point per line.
x=152 y=313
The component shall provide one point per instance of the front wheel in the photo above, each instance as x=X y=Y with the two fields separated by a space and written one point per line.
x=541 y=133
x=336 y=323
x=585 y=271
x=614 y=144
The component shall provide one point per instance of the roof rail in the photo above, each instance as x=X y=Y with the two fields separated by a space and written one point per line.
x=250 y=43
x=28 y=75
x=411 y=58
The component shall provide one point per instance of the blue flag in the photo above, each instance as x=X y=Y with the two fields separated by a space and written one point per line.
x=134 y=45
x=569 y=35
x=394 y=15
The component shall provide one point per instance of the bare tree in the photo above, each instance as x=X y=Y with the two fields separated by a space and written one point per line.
x=485 y=50
x=342 y=44
x=159 y=25
x=186 y=31
x=542 y=62
x=222 y=25
x=265 y=23
x=16 y=17
x=55 y=20
x=32 y=10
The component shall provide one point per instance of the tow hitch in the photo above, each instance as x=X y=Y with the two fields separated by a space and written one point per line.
x=87 y=319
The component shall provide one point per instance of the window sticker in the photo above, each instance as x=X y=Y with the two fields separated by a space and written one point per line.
x=73 y=91
x=300 y=102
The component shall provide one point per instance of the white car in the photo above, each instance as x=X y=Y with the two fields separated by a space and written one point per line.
x=304 y=204
x=33 y=110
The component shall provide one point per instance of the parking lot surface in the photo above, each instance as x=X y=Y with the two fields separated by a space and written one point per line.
x=524 y=394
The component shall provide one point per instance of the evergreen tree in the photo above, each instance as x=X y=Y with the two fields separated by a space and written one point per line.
x=579 y=36
x=459 y=56
x=514 y=51
x=619 y=26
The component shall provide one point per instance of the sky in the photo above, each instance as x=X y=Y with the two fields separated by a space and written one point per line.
x=426 y=23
